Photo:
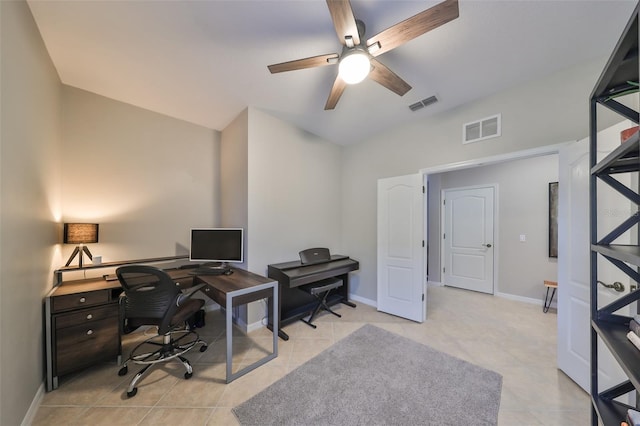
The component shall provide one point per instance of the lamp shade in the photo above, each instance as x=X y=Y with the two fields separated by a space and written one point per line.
x=80 y=233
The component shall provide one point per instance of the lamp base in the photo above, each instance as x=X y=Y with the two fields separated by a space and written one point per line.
x=79 y=250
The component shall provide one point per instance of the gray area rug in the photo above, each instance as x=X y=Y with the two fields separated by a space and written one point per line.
x=377 y=377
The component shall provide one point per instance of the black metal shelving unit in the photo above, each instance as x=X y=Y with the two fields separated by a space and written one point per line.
x=617 y=79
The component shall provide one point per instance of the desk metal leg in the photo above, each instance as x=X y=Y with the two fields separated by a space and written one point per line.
x=229 y=319
x=229 y=335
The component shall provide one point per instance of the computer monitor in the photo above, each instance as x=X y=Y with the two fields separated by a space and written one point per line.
x=217 y=245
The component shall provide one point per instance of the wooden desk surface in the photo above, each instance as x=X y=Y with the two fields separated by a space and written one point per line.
x=222 y=285
x=218 y=285
x=100 y=283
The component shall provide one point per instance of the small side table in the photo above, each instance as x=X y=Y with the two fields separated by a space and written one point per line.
x=547 y=303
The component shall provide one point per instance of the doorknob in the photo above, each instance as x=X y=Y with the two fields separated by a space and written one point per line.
x=487 y=245
x=617 y=286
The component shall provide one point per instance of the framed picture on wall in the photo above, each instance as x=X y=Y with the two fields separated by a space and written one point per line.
x=553 y=219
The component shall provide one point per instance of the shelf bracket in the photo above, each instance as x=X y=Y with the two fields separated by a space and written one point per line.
x=621 y=188
x=632 y=273
x=621 y=229
x=621 y=109
x=618 y=304
x=618 y=390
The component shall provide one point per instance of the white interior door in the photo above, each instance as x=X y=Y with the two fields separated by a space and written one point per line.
x=468 y=240
x=401 y=281
x=574 y=351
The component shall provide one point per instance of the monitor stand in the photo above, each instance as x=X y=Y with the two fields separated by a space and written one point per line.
x=214 y=268
x=223 y=266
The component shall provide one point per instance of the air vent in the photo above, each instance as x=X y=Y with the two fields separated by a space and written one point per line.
x=423 y=103
x=486 y=128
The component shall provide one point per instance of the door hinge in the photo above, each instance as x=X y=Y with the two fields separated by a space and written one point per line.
x=444 y=202
x=423 y=297
x=423 y=189
x=422 y=243
x=444 y=236
x=444 y=270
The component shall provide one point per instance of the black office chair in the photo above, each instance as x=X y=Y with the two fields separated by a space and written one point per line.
x=152 y=298
x=319 y=289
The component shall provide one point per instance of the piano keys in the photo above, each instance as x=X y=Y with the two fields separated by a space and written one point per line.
x=295 y=303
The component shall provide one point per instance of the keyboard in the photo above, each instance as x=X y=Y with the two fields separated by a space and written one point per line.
x=208 y=271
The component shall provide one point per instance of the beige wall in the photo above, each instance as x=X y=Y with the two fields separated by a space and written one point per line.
x=283 y=186
x=146 y=178
x=295 y=185
x=30 y=153
x=234 y=177
x=548 y=111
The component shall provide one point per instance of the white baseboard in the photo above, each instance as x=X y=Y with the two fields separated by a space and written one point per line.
x=33 y=408
x=529 y=300
x=366 y=301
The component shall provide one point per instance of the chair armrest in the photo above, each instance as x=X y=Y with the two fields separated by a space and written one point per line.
x=187 y=293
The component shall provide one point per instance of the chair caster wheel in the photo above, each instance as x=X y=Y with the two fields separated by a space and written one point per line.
x=133 y=393
x=123 y=371
x=187 y=376
x=203 y=348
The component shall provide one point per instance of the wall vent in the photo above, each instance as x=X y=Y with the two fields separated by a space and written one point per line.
x=423 y=103
x=486 y=128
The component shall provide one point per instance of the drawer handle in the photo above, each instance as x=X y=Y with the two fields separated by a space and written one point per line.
x=82 y=300
x=89 y=333
x=89 y=316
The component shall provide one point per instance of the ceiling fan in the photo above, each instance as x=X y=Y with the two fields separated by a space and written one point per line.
x=358 y=57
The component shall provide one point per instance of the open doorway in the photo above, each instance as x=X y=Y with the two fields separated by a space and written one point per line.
x=520 y=238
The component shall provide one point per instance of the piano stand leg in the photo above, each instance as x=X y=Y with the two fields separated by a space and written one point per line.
x=346 y=302
x=281 y=334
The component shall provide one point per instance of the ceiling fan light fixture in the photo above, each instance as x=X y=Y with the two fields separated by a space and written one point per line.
x=354 y=66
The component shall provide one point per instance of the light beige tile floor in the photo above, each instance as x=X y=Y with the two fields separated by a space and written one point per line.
x=515 y=339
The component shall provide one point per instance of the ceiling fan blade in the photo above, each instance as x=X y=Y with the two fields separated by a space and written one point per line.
x=384 y=76
x=413 y=27
x=344 y=21
x=299 y=64
x=336 y=91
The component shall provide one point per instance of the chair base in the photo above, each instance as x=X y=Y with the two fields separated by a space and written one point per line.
x=162 y=348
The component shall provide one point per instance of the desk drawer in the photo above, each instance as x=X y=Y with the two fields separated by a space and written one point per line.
x=86 y=344
x=61 y=303
x=85 y=316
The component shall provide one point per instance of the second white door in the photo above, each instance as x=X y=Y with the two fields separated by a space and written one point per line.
x=468 y=244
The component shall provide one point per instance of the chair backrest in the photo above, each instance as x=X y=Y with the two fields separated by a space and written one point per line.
x=315 y=255
x=150 y=296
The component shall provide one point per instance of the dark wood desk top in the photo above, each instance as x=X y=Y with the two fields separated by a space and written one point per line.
x=100 y=283
x=221 y=285
x=218 y=285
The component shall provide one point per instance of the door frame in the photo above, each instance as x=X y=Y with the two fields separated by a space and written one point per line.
x=477 y=162
x=495 y=260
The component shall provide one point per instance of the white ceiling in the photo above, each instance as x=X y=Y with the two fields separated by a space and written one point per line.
x=205 y=61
